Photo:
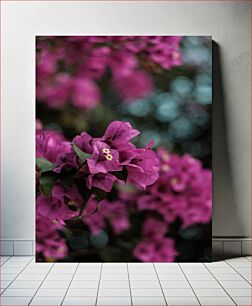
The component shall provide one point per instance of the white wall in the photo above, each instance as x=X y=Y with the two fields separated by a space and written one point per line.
x=227 y=22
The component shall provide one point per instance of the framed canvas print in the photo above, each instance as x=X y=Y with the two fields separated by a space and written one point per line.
x=123 y=148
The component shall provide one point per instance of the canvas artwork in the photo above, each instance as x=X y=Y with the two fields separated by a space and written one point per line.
x=123 y=148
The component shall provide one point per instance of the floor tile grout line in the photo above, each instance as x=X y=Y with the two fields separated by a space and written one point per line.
x=160 y=284
x=1 y=266
x=131 y=299
x=247 y=258
x=70 y=283
x=41 y=283
x=16 y=277
x=190 y=284
x=99 y=282
x=221 y=285
x=9 y=257
x=237 y=272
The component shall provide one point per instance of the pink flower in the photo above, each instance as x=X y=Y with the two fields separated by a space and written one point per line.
x=113 y=212
x=156 y=250
x=113 y=152
x=143 y=169
x=103 y=181
x=154 y=228
x=84 y=142
x=117 y=214
x=95 y=62
x=63 y=204
x=164 y=205
x=50 y=144
x=46 y=63
x=90 y=207
x=66 y=162
x=55 y=91
x=104 y=159
x=155 y=247
x=122 y=63
x=68 y=66
x=134 y=86
x=85 y=93
x=183 y=190
x=48 y=241
x=119 y=133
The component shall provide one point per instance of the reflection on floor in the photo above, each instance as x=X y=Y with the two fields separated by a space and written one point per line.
x=24 y=282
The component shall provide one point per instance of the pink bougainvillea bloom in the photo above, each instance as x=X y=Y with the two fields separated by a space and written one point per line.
x=115 y=213
x=84 y=142
x=159 y=249
x=129 y=60
x=66 y=161
x=85 y=93
x=104 y=159
x=56 y=91
x=164 y=205
x=52 y=249
x=122 y=63
x=143 y=169
x=155 y=247
x=95 y=222
x=50 y=144
x=94 y=64
x=90 y=207
x=113 y=152
x=93 y=215
x=119 y=133
x=46 y=63
x=154 y=228
x=134 y=86
x=183 y=190
x=48 y=241
x=62 y=204
x=103 y=181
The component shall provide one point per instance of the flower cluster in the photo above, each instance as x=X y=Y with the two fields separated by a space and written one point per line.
x=68 y=68
x=48 y=241
x=114 y=153
x=96 y=215
x=172 y=187
x=154 y=246
x=68 y=171
x=183 y=190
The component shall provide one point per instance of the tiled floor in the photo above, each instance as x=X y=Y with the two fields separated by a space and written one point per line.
x=24 y=282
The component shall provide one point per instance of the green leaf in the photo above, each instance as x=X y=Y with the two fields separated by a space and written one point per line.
x=67 y=180
x=47 y=182
x=82 y=155
x=44 y=164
